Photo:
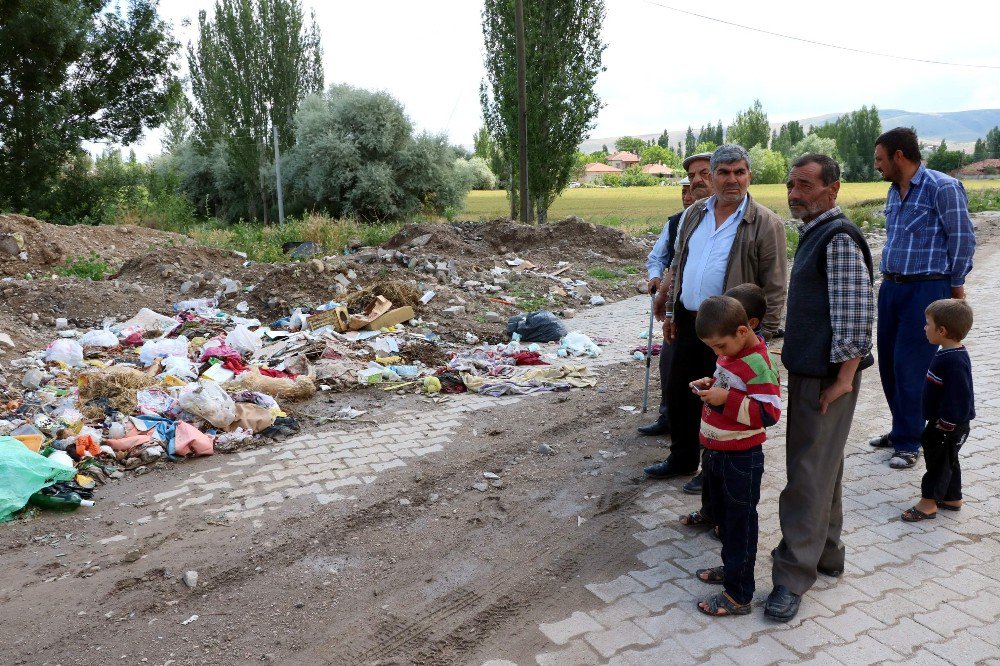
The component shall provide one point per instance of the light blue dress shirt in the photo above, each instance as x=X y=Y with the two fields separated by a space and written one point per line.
x=708 y=255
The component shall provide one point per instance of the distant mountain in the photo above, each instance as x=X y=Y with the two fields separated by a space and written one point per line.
x=959 y=128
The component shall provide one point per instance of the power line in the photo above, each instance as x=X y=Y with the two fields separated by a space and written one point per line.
x=815 y=43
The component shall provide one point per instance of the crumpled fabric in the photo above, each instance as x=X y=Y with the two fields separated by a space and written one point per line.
x=533 y=380
x=279 y=374
x=188 y=439
x=163 y=428
x=251 y=417
x=133 y=437
x=222 y=352
x=528 y=358
x=657 y=347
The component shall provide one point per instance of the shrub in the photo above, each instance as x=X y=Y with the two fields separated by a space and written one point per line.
x=91 y=267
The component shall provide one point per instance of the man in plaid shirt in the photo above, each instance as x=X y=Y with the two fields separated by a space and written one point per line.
x=928 y=253
x=828 y=341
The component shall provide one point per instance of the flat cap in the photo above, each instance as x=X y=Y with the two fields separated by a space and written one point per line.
x=692 y=158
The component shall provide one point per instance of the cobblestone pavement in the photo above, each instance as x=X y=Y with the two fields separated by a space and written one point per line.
x=922 y=593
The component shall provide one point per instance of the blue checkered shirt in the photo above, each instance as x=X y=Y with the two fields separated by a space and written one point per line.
x=929 y=232
x=849 y=288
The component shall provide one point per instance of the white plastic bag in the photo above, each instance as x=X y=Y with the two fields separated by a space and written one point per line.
x=243 y=340
x=209 y=401
x=99 y=338
x=66 y=351
x=147 y=320
x=180 y=367
x=578 y=344
x=154 y=349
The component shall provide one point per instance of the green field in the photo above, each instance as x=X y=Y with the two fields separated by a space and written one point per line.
x=640 y=209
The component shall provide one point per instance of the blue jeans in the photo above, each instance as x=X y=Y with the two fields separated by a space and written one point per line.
x=733 y=478
x=904 y=354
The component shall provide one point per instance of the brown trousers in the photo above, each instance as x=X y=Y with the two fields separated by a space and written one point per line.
x=809 y=508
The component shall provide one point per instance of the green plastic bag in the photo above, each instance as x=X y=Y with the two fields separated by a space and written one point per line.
x=23 y=472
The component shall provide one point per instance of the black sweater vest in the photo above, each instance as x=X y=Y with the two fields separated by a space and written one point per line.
x=808 y=329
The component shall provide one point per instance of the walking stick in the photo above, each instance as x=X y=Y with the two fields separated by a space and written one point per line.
x=649 y=352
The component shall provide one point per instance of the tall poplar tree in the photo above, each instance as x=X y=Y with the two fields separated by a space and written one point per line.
x=563 y=54
x=255 y=60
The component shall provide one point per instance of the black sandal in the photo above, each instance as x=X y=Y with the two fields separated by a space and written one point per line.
x=712 y=576
x=949 y=507
x=695 y=519
x=723 y=602
x=915 y=515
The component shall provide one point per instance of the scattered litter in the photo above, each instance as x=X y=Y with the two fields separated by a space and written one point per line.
x=190 y=620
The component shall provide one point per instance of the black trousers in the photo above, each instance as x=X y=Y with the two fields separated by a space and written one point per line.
x=734 y=478
x=666 y=356
x=943 y=479
x=692 y=359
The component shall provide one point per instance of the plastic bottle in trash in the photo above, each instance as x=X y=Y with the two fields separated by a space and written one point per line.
x=61 y=502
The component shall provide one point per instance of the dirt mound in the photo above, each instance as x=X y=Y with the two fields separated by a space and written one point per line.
x=571 y=235
x=28 y=245
x=433 y=237
x=173 y=267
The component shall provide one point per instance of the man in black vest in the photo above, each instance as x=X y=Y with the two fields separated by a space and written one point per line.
x=828 y=341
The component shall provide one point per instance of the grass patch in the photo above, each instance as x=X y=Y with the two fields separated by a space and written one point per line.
x=638 y=210
x=529 y=301
x=983 y=199
x=603 y=274
x=263 y=243
x=91 y=267
x=631 y=270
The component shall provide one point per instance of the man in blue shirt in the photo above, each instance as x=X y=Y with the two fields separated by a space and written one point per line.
x=927 y=254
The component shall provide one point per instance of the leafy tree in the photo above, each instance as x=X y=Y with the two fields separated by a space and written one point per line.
x=944 y=160
x=656 y=154
x=768 y=166
x=72 y=72
x=689 y=142
x=979 y=152
x=630 y=144
x=604 y=149
x=720 y=137
x=255 y=60
x=486 y=148
x=664 y=140
x=563 y=57
x=814 y=143
x=355 y=155
x=855 y=134
x=993 y=143
x=476 y=172
x=705 y=147
x=750 y=127
x=787 y=136
x=598 y=156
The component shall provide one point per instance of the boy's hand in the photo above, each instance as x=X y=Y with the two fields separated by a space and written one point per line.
x=714 y=396
x=702 y=384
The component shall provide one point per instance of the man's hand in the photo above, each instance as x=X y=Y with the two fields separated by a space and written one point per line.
x=669 y=331
x=832 y=392
x=653 y=286
x=958 y=292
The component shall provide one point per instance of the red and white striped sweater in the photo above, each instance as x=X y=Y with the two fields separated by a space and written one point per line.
x=754 y=401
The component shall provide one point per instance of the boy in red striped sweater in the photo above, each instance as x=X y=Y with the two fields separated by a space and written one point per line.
x=740 y=401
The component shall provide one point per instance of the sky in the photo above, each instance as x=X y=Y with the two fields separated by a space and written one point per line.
x=665 y=69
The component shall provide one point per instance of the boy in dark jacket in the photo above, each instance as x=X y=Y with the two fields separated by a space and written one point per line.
x=949 y=406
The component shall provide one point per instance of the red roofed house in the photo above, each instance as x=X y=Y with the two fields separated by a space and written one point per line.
x=984 y=168
x=595 y=169
x=659 y=170
x=623 y=159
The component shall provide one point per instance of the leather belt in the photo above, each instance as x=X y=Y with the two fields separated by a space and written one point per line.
x=902 y=279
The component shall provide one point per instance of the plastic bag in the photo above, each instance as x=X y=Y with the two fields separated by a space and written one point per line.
x=64 y=351
x=154 y=349
x=243 y=340
x=578 y=344
x=180 y=367
x=540 y=326
x=25 y=472
x=99 y=338
x=149 y=321
x=210 y=402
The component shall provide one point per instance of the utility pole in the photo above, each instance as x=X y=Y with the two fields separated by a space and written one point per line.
x=277 y=177
x=522 y=113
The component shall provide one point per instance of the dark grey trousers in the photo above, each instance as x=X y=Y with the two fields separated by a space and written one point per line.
x=809 y=507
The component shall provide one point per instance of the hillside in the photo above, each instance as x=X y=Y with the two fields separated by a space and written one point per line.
x=959 y=128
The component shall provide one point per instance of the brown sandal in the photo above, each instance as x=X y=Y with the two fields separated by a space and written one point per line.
x=713 y=576
x=724 y=603
x=915 y=515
